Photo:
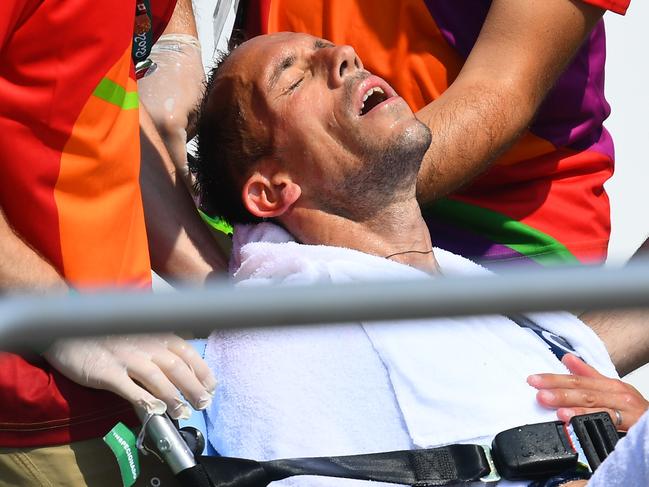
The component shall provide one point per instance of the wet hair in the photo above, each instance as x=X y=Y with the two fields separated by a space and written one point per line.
x=226 y=151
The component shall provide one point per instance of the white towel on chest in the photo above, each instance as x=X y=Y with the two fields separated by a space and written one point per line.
x=373 y=386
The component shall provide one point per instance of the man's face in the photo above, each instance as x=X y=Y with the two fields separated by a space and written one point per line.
x=342 y=133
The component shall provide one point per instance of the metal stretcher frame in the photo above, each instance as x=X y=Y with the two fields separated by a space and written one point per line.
x=37 y=320
x=22 y=318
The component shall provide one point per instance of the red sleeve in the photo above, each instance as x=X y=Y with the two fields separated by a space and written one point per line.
x=10 y=12
x=161 y=11
x=617 y=6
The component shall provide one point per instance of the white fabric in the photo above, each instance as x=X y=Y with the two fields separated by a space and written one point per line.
x=628 y=465
x=357 y=388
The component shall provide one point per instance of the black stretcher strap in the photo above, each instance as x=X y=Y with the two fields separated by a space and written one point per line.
x=422 y=468
x=532 y=451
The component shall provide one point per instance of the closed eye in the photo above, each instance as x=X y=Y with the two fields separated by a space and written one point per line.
x=294 y=85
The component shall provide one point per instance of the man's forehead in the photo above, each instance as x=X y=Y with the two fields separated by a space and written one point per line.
x=248 y=73
x=279 y=41
x=256 y=58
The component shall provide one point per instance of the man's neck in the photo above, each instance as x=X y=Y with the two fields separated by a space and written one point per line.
x=398 y=233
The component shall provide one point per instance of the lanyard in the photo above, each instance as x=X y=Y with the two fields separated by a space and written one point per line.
x=142 y=31
x=558 y=345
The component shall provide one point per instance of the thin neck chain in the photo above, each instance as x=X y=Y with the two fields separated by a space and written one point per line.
x=421 y=252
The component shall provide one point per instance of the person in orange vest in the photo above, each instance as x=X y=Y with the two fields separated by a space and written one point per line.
x=73 y=219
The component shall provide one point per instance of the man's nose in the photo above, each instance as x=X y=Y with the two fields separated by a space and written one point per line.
x=343 y=62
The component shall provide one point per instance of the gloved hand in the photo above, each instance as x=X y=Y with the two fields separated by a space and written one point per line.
x=146 y=370
x=172 y=91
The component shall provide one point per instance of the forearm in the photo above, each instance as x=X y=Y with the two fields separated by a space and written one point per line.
x=172 y=91
x=21 y=267
x=522 y=49
x=624 y=332
x=471 y=127
x=182 y=248
x=182 y=21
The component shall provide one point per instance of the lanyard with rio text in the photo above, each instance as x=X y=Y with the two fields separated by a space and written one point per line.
x=142 y=31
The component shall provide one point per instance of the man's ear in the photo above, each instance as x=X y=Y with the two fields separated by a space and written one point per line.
x=268 y=194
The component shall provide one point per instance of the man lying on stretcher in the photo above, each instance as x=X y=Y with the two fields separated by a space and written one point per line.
x=315 y=161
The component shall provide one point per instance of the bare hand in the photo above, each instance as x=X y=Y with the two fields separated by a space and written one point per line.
x=587 y=391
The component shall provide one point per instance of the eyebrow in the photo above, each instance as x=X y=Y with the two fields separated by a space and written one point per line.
x=286 y=62
x=321 y=44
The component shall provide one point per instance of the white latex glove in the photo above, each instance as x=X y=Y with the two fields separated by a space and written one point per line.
x=146 y=370
x=172 y=91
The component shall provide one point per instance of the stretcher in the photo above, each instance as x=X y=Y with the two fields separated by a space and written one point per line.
x=528 y=452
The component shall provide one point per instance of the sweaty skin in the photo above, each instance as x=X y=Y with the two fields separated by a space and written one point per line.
x=587 y=391
x=309 y=101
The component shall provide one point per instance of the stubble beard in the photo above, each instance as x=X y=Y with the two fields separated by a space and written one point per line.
x=384 y=175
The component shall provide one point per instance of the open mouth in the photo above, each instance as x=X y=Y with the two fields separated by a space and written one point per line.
x=371 y=99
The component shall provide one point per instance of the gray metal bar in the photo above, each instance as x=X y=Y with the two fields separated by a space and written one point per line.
x=165 y=438
x=30 y=320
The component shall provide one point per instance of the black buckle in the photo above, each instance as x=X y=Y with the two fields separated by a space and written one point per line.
x=537 y=451
x=533 y=451
x=597 y=436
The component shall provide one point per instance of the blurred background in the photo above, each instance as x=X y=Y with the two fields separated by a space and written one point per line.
x=627 y=90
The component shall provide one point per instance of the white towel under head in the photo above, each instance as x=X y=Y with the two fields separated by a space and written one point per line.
x=357 y=388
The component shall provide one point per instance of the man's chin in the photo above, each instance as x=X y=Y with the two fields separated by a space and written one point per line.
x=391 y=163
x=414 y=140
